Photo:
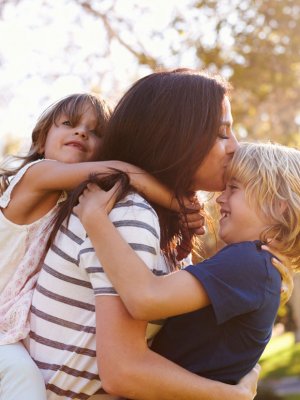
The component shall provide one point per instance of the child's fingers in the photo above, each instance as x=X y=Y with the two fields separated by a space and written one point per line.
x=194 y=222
x=93 y=199
x=199 y=231
x=285 y=260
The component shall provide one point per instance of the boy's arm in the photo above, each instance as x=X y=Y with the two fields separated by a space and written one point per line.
x=130 y=369
x=153 y=296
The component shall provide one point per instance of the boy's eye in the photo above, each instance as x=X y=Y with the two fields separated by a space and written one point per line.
x=232 y=187
x=67 y=123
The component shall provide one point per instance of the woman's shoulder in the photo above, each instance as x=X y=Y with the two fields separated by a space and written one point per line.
x=134 y=203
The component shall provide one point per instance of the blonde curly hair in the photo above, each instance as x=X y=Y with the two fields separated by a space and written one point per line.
x=270 y=174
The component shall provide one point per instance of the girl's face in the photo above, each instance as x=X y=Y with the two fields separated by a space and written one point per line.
x=239 y=222
x=73 y=144
x=210 y=175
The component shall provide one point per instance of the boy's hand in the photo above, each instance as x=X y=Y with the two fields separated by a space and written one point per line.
x=95 y=201
x=285 y=270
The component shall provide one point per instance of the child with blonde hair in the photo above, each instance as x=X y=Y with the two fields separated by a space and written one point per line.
x=66 y=144
x=221 y=311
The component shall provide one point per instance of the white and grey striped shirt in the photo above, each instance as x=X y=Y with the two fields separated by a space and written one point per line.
x=62 y=338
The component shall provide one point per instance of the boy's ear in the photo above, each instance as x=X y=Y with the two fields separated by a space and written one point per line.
x=283 y=205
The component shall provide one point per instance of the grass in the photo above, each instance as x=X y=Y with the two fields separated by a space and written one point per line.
x=281 y=358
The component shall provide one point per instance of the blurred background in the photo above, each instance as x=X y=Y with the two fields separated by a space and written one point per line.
x=51 y=48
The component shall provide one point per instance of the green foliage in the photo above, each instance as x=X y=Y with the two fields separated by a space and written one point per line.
x=257 y=43
x=281 y=358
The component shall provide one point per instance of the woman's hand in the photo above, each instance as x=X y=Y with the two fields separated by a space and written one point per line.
x=248 y=383
x=285 y=270
x=95 y=201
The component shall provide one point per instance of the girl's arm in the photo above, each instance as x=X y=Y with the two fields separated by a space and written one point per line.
x=53 y=176
x=153 y=297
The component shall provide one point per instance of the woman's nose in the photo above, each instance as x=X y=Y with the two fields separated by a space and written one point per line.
x=233 y=144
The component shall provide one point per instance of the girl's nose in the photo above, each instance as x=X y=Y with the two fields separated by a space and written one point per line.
x=81 y=131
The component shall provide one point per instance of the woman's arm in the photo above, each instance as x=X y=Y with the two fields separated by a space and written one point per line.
x=130 y=369
x=153 y=296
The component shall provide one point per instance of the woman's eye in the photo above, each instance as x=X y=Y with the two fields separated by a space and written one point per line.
x=67 y=123
x=223 y=133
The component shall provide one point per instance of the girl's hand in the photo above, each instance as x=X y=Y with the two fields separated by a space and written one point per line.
x=191 y=223
x=249 y=382
x=193 y=220
x=286 y=272
x=193 y=217
x=95 y=201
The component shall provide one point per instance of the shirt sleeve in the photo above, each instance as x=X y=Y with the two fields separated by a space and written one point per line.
x=234 y=279
x=138 y=224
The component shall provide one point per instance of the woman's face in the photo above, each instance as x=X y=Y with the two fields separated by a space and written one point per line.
x=210 y=175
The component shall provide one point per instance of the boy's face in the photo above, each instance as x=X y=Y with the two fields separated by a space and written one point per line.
x=239 y=222
x=73 y=144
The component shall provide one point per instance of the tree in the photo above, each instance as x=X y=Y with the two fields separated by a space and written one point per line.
x=255 y=43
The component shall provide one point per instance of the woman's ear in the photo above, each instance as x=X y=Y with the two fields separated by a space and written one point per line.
x=40 y=149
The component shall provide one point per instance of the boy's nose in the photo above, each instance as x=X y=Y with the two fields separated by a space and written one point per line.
x=221 y=198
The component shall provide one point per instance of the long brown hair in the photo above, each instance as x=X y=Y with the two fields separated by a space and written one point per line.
x=73 y=107
x=166 y=123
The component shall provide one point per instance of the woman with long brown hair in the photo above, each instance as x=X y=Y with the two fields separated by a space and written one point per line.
x=176 y=125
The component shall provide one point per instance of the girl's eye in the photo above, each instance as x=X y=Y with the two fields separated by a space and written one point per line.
x=67 y=123
x=97 y=133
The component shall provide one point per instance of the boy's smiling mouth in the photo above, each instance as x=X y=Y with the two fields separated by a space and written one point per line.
x=224 y=213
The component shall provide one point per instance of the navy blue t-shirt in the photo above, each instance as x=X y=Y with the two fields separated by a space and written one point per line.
x=224 y=340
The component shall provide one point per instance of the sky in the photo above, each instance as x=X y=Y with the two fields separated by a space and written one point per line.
x=49 y=49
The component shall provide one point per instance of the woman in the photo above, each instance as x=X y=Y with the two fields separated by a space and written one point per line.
x=176 y=125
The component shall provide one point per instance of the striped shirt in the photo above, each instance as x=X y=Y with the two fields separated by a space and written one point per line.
x=63 y=326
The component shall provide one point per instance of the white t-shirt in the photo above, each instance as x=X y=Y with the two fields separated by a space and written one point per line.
x=21 y=247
